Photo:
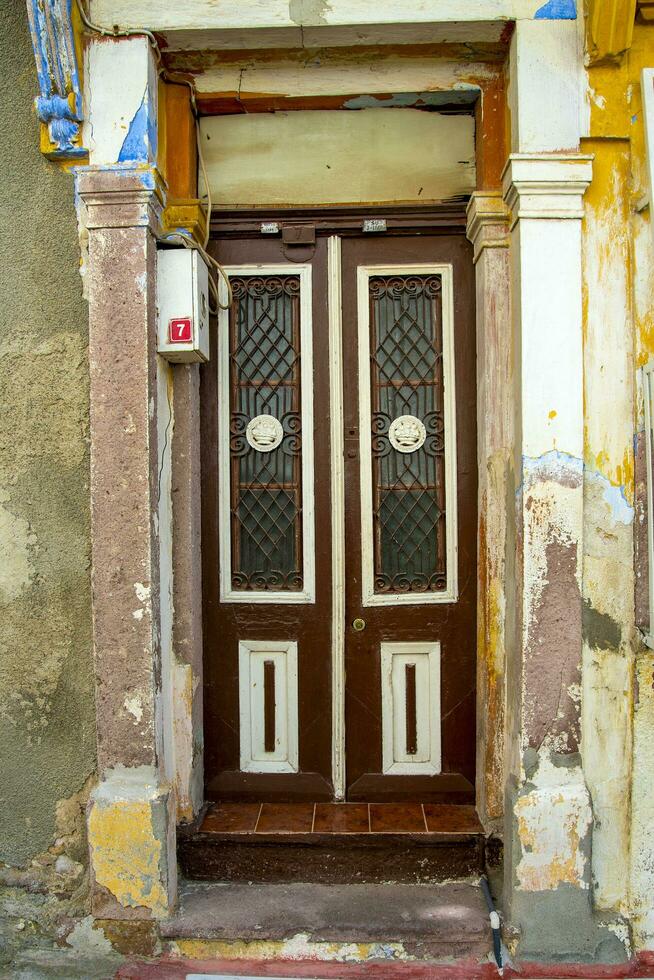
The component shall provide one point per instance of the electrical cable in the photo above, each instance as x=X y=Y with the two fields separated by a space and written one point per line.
x=187 y=241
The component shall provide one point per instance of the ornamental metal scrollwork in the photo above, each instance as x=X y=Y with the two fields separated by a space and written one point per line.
x=266 y=434
x=407 y=434
x=398 y=286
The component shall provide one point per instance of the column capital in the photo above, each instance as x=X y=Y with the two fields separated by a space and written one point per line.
x=546 y=185
x=487 y=221
x=117 y=197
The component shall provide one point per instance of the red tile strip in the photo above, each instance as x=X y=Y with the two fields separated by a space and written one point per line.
x=285 y=818
x=341 y=818
x=397 y=818
x=231 y=818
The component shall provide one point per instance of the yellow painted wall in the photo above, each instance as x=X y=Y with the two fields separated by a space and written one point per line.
x=618 y=706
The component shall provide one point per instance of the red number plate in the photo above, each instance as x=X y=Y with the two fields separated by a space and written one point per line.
x=180 y=331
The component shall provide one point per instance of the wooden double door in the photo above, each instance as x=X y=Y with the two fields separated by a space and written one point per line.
x=339 y=503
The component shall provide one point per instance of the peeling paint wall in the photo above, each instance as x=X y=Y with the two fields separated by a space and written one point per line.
x=47 y=724
x=617 y=719
x=608 y=515
x=120 y=115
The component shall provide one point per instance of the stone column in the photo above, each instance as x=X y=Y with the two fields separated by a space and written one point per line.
x=131 y=819
x=549 y=814
x=548 y=810
x=488 y=230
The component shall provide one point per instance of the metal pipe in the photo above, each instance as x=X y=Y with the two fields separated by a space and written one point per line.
x=494 y=923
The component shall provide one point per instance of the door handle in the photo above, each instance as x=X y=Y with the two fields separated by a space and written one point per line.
x=358 y=625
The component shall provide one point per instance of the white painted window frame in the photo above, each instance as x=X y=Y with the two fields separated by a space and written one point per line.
x=431 y=693
x=308 y=593
x=450 y=594
x=286 y=705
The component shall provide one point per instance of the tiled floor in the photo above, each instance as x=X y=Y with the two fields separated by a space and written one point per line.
x=340 y=818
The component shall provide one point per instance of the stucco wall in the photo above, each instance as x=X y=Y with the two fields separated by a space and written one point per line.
x=47 y=733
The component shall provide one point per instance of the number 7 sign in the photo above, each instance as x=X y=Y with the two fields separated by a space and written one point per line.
x=180 y=330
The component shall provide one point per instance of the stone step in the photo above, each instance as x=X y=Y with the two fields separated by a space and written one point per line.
x=403 y=921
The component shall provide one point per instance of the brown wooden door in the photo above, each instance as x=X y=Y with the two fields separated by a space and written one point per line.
x=411 y=485
x=284 y=680
x=266 y=530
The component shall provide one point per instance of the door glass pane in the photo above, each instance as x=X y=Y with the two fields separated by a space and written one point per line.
x=408 y=438
x=265 y=433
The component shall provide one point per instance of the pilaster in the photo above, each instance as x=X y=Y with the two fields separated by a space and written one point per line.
x=131 y=814
x=488 y=230
x=549 y=813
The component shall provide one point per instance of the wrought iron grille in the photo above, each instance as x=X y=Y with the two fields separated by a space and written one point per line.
x=266 y=480
x=408 y=485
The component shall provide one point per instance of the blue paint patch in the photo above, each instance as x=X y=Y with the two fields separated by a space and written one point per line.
x=145 y=173
x=557 y=10
x=152 y=134
x=62 y=122
x=556 y=466
x=552 y=464
x=136 y=144
x=147 y=180
x=621 y=510
x=176 y=233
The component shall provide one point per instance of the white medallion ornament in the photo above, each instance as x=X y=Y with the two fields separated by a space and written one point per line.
x=407 y=433
x=264 y=433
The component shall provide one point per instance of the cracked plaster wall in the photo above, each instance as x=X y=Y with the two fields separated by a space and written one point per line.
x=47 y=726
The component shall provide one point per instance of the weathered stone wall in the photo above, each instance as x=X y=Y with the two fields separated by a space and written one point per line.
x=47 y=726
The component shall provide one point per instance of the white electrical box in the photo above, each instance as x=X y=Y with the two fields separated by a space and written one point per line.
x=183 y=305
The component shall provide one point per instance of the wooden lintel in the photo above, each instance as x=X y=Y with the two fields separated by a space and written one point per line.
x=180 y=153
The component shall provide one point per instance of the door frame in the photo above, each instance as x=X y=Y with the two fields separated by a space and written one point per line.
x=337 y=451
x=335 y=224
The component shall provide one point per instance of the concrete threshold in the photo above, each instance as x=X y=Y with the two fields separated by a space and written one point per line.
x=367 y=921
